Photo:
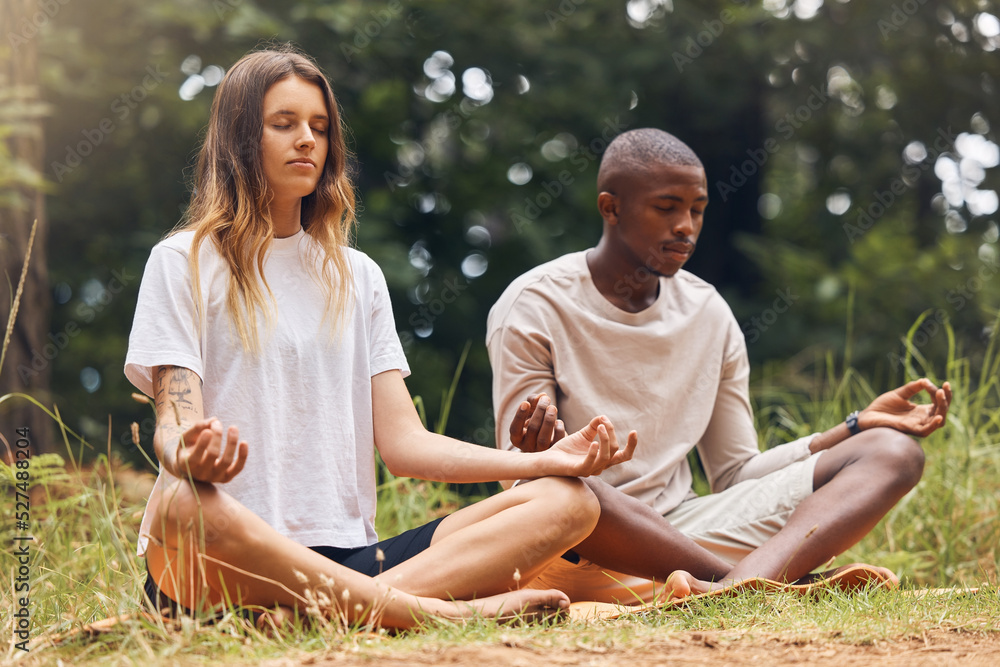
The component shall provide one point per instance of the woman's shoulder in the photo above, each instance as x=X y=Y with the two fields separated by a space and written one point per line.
x=363 y=267
x=178 y=242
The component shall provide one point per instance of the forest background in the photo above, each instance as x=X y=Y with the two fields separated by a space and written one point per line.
x=849 y=147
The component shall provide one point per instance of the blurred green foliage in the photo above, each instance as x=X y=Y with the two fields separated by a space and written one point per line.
x=801 y=112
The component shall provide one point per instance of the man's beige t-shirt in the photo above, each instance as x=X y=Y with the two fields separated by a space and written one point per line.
x=676 y=372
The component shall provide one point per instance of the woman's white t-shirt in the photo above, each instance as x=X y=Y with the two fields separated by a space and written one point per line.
x=304 y=404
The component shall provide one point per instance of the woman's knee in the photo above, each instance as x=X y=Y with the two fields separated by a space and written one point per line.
x=571 y=501
x=198 y=509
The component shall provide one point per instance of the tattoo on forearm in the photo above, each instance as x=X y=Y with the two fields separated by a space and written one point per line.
x=174 y=391
x=180 y=385
x=161 y=373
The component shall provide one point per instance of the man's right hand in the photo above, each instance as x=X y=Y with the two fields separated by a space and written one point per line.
x=536 y=426
x=208 y=455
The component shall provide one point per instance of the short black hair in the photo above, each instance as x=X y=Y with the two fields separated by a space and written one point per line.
x=635 y=150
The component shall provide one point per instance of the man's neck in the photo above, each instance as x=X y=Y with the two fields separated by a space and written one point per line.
x=632 y=289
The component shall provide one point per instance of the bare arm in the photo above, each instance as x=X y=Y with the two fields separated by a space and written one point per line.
x=186 y=443
x=408 y=449
x=894 y=409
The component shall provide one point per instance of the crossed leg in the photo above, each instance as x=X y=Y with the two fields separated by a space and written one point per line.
x=632 y=538
x=855 y=484
x=207 y=549
x=478 y=549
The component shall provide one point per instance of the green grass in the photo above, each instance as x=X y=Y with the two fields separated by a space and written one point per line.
x=946 y=531
x=943 y=534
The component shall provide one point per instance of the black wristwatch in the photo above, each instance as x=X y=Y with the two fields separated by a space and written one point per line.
x=852 y=422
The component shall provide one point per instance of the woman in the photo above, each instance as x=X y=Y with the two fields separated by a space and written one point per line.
x=257 y=317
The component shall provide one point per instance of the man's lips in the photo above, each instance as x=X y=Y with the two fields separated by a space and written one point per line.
x=677 y=250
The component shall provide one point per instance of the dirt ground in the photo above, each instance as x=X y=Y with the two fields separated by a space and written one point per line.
x=936 y=647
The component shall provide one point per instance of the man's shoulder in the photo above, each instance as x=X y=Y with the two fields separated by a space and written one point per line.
x=555 y=276
x=689 y=281
x=563 y=270
x=690 y=285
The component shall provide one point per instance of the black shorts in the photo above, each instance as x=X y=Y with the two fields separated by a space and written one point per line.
x=396 y=549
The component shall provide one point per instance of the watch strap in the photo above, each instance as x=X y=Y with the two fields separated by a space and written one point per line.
x=852 y=422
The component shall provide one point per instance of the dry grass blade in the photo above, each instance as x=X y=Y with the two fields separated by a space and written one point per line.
x=17 y=296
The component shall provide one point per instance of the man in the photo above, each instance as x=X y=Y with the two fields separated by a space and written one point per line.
x=678 y=375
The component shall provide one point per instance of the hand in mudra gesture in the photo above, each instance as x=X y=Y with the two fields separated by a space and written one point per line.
x=591 y=450
x=894 y=409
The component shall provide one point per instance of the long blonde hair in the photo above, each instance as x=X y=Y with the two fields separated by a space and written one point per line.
x=231 y=196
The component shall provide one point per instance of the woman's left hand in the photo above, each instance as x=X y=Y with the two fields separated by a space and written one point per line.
x=589 y=451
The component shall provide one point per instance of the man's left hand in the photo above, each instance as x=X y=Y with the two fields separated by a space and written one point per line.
x=894 y=409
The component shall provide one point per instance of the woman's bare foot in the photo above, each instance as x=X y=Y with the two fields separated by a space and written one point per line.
x=274 y=622
x=525 y=605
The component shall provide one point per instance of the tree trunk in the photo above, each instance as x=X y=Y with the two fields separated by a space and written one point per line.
x=26 y=367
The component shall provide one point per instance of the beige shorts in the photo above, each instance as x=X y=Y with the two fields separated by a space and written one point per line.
x=730 y=524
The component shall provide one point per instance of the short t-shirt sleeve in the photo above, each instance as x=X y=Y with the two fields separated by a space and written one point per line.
x=165 y=330
x=385 y=349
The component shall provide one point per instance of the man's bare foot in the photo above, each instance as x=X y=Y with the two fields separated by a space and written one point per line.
x=525 y=605
x=681 y=584
x=889 y=577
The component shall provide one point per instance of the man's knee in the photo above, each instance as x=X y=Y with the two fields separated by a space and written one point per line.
x=899 y=454
x=604 y=492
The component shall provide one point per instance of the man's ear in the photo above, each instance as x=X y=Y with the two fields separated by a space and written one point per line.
x=607 y=204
